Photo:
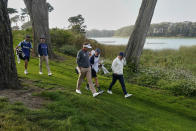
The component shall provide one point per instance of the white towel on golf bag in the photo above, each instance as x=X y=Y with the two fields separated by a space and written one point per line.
x=104 y=69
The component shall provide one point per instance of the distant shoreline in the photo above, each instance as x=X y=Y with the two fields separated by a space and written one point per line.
x=154 y=43
x=172 y=37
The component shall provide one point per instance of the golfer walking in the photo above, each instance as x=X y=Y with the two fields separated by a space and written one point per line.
x=117 y=68
x=85 y=69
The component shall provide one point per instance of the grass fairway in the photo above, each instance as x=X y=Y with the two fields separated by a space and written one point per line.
x=148 y=109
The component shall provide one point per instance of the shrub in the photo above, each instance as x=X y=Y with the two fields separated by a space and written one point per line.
x=178 y=81
x=183 y=87
x=69 y=50
x=61 y=37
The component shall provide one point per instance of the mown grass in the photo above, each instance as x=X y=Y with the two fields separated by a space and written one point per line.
x=148 y=109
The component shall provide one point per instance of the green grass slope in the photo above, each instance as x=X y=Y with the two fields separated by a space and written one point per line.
x=147 y=109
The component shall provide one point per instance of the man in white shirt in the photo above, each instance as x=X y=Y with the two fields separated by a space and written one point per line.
x=117 y=68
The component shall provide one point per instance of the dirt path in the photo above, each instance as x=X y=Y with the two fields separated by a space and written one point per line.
x=25 y=95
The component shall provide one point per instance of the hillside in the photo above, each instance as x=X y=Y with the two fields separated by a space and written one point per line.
x=50 y=103
x=63 y=109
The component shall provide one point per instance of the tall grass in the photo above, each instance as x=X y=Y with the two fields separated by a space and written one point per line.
x=184 y=58
x=173 y=70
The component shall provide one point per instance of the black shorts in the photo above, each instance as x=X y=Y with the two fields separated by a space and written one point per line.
x=27 y=58
x=94 y=73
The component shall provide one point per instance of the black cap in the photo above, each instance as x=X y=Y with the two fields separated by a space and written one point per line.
x=43 y=37
x=28 y=36
x=98 y=50
x=121 y=54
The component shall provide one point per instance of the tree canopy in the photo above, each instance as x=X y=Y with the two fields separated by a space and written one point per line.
x=77 y=24
x=12 y=10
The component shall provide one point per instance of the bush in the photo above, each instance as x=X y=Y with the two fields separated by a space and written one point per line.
x=61 y=37
x=178 y=81
x=184 y=87
x=69 y=50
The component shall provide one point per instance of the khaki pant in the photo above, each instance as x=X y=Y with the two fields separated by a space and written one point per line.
x=85 y=72
x=41 y=59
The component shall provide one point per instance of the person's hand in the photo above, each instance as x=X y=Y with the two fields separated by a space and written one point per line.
x=16 y=48
x=100 y=65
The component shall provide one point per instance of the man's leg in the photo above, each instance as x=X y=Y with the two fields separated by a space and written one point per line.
x=98 y=86
x=26 y=64
x=92 y=76
x=89 y=79
x=40 y=63
x=114 y=78
x=87 y=86
x=81 y=77
x=97 y=82
x=47 y=64
x=122 y=82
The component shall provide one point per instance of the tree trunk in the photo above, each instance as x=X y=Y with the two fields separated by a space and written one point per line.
x=138 y=36
x=38 y=11
x=8 y=73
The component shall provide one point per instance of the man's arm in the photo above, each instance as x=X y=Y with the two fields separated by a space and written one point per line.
x=39 y=50
x=78 y=59
x=124 y=61
x=19 y=45
x=47 y=48
x=31 y=48
x=114 y=64
x=92 y=59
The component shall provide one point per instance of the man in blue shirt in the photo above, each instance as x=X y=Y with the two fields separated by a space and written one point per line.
x=26 y=49
x=43 y=55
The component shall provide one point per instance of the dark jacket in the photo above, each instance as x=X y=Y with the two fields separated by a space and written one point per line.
x=83 y=59
x=43 y=49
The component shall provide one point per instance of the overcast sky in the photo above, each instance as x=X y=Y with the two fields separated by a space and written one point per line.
x=113 y=14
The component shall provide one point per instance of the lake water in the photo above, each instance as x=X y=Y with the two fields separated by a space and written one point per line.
x=151 y=43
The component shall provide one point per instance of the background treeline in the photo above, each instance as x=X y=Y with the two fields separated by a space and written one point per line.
x=100 y=33
x=165 y=29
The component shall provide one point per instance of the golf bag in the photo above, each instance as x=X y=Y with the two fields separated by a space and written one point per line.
x=20 y=54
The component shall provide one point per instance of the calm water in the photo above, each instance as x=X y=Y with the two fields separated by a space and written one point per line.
x=152 y=43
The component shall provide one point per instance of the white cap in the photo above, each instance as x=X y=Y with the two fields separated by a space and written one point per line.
x=87 y=46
